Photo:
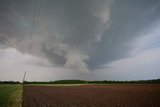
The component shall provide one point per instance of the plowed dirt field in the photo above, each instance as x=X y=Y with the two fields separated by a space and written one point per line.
x=114 y=95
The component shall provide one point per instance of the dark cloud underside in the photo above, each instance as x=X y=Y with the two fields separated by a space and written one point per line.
x=77 y=34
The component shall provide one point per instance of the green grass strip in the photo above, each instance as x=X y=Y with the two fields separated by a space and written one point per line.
x=10 y=95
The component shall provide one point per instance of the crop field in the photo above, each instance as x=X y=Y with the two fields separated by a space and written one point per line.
x=113 y=95
x=10 y=95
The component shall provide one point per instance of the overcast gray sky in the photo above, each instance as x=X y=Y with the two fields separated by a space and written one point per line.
x=79 y=39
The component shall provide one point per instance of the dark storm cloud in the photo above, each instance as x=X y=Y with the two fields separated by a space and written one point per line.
x=77 y=34
x=129 y=18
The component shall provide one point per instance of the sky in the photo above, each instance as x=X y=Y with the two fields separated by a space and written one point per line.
x=79 y=39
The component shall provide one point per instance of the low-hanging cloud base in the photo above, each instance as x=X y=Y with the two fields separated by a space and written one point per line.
x=77 y=38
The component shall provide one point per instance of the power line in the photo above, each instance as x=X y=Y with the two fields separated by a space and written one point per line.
x=35 y=17
x=33 y=21
x=36 y=13
x=33 y=28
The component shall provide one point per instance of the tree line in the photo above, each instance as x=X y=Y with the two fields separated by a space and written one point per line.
x=84 y=82
x=9 y=82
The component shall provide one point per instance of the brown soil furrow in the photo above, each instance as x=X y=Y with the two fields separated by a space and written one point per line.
x=115 y=95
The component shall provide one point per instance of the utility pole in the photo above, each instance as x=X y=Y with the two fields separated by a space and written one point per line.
x=24 y=77
x=23 y=86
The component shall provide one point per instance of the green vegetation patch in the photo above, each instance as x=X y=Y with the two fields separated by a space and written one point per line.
x=10 y=95
x=53 y=84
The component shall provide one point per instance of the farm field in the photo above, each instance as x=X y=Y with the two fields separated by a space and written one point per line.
x=113 y=95
x=10 y=95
